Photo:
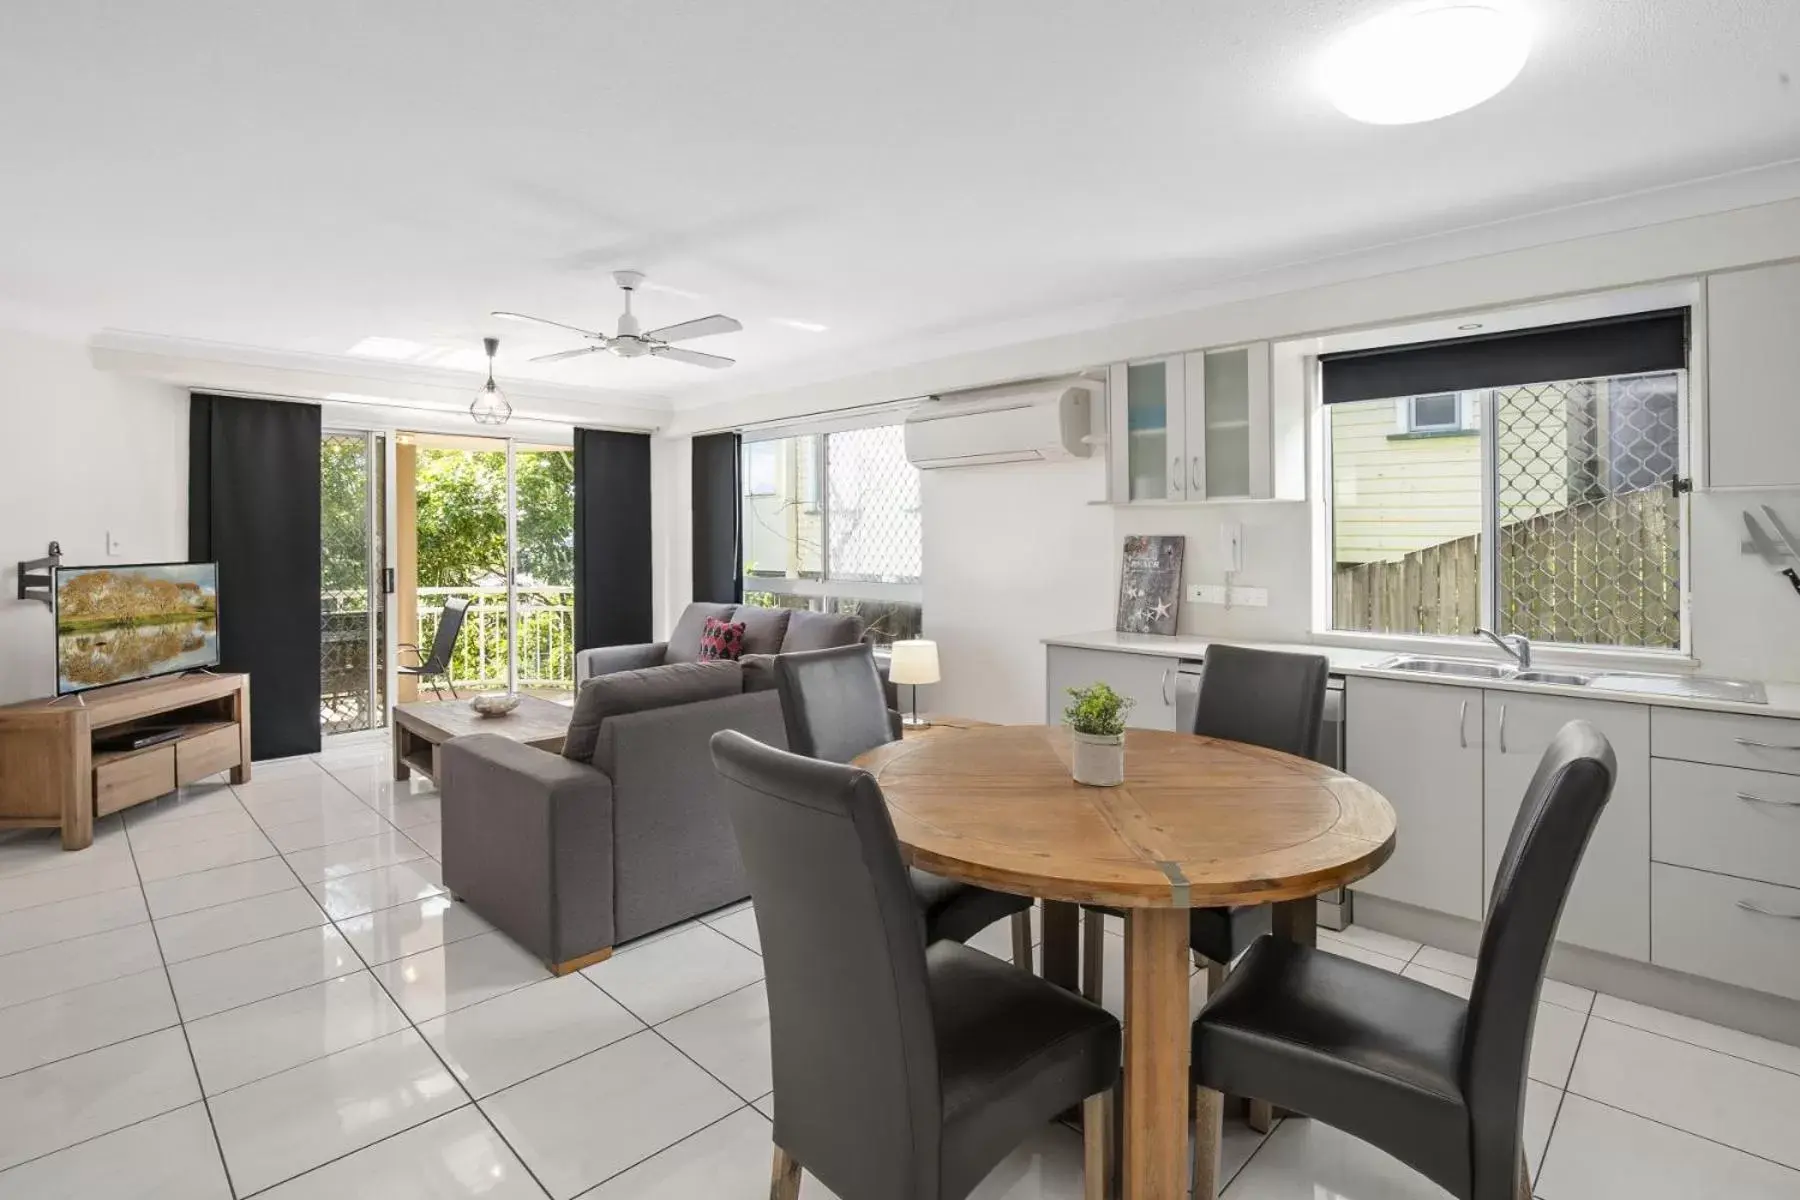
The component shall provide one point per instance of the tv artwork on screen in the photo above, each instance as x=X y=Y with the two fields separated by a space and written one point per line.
x=115 y=624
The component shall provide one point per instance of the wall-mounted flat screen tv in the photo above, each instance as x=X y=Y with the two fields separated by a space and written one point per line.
x=116 y=624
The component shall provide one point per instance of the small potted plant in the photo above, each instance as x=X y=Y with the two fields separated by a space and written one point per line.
x=1096 y=720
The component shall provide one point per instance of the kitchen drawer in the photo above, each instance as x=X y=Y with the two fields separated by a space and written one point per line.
x=1726 y=819
x=207 y=754
x=122 y=782
x=1728 y=739
x=1699 y=925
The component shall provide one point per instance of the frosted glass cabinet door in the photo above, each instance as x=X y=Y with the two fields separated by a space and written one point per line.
x=1226 y=422
x=1155 y=430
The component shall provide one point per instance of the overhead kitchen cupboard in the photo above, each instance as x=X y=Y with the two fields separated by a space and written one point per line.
x=1752 y=363
x=1192 y=427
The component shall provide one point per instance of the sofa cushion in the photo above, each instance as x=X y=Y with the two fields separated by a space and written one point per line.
x=634 y=691
x=763 y=628
x=721 y=639
x=684 y=639
x=821 y=631
x=759 y=672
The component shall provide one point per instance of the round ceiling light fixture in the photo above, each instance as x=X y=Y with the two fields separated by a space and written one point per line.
x=1419 y=64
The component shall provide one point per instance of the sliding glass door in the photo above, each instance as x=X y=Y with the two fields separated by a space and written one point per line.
x=353 y=656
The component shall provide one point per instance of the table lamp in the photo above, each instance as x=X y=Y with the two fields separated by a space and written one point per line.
x=914 y=662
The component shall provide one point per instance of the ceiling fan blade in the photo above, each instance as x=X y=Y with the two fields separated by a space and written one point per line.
x=691 y=357
x=699 y=327
x=562 y=354
x=513 y=316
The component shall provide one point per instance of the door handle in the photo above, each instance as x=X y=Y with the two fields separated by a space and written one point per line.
x=1175 y=471
x=1194 y=485
x=1752 y=906
x=1503 y=729
x=1750 y=798
x=1462 y=725
x=1165 y=687
x=1756 y=745
x=387 y=581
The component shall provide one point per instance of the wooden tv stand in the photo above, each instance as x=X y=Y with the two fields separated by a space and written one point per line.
x=51 y=776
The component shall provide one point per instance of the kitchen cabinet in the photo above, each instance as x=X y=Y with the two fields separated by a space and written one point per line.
x=1609 y=905
x=1147 y=679
x=1192 y=427
x=1752 y=365
x=1419 y=745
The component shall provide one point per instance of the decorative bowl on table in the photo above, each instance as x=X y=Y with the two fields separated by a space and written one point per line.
x=495 y=704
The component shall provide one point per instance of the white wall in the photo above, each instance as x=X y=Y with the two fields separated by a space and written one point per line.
x=86 y=452
x=671 y=530
x=1013 y=554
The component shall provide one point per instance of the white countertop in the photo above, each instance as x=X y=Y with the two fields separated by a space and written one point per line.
x=1784 y=698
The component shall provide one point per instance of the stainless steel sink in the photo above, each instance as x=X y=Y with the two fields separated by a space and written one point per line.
x=1564 y=678
x=1470 y=668
x=1691 y=687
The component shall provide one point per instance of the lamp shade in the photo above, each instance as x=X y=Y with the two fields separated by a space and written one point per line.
x=914 y=662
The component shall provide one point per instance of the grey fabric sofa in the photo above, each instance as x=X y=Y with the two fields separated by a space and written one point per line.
x=623 y=833
x=767 y=631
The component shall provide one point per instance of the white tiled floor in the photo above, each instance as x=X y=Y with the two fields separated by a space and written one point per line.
x=350 y=1031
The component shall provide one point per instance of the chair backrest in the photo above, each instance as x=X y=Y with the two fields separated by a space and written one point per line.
x=833 y=702
x=852 y=1041
x=1264 y=697
x=443 y=642
x=1564 y=802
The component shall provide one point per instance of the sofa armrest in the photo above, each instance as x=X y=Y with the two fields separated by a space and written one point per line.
x=604 y=660
x=528 y=843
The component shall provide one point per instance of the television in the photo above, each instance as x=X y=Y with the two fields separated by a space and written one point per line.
x=116 y=624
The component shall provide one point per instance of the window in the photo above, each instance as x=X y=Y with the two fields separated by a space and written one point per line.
x=1441 y=413
x=1555 y=519
x=831 y=523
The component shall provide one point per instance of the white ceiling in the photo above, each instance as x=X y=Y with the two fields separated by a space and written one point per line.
x=300 y=176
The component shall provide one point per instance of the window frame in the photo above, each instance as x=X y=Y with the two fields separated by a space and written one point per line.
x=818 y=501
x=1407 y=414
x=1691 y=419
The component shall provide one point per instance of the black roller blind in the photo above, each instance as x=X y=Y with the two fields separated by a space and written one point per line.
x=1627 y=345
x=718 y=519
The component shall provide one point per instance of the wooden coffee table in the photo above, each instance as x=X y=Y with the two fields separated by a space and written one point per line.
x=419 y=729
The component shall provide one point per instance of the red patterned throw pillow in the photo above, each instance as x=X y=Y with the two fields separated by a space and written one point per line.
x=721 y=639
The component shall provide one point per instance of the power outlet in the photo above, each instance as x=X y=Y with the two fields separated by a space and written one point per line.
x=1240 y=597
x=114 y=546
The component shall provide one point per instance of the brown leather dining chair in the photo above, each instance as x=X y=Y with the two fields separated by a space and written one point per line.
x=904 y=1070
x=835 y=709
x=1435 y=1081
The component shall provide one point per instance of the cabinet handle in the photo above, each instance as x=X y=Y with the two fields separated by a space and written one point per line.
x=1756 y=745
x=1165 y=688
x=1175 y=471
x=1753 y=907
x=1194 y=484
x=1503 y=729
x=1462 y=725
x=1754 y=799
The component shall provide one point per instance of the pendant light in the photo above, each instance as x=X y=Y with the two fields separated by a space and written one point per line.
x=490 y=406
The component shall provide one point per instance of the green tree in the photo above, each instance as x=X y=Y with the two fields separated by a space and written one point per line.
x=462 y=516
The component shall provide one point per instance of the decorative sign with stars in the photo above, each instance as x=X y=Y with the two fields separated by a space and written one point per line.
x=1150 y=584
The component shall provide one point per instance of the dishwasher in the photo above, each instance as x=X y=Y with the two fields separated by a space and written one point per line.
x=1335 y=905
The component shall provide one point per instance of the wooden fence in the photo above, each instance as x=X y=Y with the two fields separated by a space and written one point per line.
x=1600 y=572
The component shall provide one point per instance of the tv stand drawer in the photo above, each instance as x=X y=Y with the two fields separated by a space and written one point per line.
x=133 y=778
x=207 y=753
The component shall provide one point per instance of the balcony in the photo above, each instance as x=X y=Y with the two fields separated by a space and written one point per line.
x=546 y=637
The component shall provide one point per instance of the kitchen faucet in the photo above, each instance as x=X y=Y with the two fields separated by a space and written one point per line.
x=1515 y=644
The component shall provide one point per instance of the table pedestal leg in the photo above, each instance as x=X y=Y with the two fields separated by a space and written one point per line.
x=1062 y=944
x=1156 y=1053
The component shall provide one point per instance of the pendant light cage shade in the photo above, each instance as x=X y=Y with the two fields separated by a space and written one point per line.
x=491 y=407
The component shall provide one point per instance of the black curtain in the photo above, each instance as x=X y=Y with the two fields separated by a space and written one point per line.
x=1628 y=345
x=253 y=508
x=612 y=538
x=718 y=519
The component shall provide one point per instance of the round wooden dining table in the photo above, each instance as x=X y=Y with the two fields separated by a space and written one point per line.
x=1198 y=823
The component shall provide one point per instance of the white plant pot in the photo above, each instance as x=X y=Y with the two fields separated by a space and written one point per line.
x=1098 y=761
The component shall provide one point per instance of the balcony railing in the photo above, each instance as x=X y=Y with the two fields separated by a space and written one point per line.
x=546 y=635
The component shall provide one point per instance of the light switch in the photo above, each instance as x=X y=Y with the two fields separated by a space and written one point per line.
x=113 y=545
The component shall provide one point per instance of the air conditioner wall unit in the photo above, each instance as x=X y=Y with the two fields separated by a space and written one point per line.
x=1043 y=425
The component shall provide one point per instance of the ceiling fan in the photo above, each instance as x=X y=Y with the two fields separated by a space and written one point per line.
x=630 y=342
